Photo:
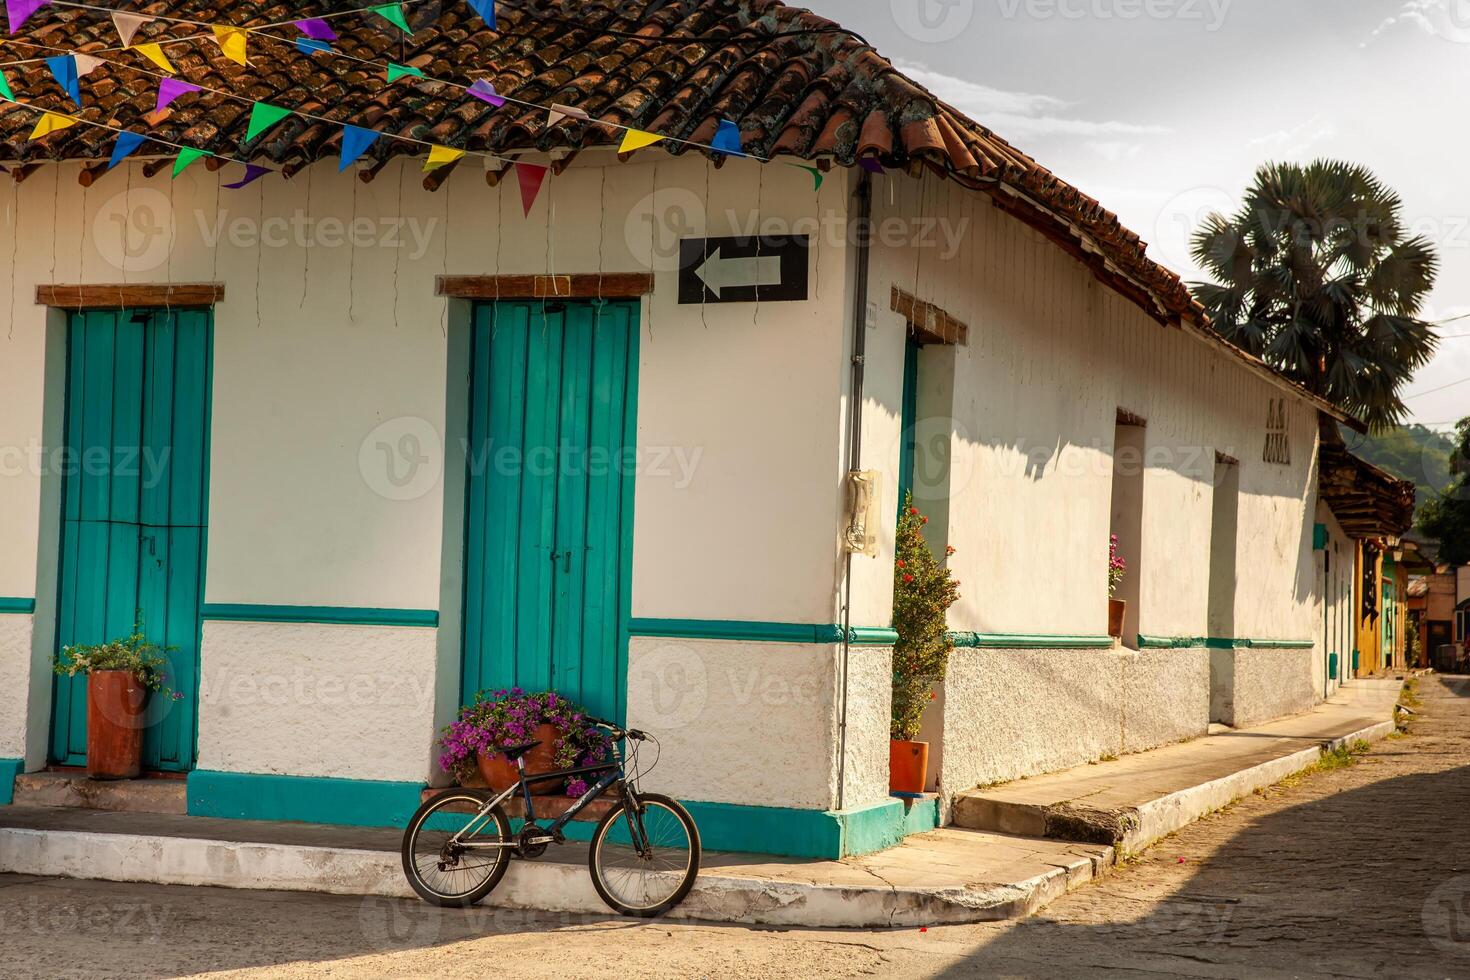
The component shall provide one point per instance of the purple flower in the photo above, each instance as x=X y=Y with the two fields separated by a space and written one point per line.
x=576 y=787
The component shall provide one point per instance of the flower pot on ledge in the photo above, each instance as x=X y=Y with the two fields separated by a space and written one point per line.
x=500 y=773
x=908 y=765
x=115 y=703
x=1117 y=611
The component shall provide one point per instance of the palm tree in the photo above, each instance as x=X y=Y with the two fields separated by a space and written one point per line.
x=1316 y=276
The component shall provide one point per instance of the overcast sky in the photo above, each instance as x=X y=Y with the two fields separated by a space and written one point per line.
x=1162 y=109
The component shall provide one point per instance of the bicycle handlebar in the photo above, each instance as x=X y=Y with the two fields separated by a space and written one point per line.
x=618 y=730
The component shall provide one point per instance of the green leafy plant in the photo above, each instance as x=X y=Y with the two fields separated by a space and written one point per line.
x=133 y=653
x=923 y=591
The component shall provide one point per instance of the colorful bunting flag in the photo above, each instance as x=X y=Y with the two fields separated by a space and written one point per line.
x=310 y=46
x=170 y=89
x=154 y=53
x=316 y=29
x=262 y=117
x=817 y=175
x=125 y=145
x=253 y=172
x=355 y=142
x=727 y=139
x=485 y=92
x=558 y=112
x=393 y=14
x=397 y=71
x=64 y=70
x=232 y=43
x=50 y=123
x=86 y=64
x=188 y=155
x=20 y=11
x=127 y=26
x=486 y=10
x=5 y=87
x=440 y=156
x=636 y=139
x=531 y=177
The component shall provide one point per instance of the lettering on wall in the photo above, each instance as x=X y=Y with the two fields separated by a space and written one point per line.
x=1278 y=438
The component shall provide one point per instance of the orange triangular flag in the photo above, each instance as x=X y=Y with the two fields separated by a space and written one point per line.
x=636 y=139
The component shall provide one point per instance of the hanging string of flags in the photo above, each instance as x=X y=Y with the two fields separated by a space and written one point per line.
x=316 y=37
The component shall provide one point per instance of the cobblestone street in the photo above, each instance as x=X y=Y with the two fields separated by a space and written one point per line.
x=1358 y=870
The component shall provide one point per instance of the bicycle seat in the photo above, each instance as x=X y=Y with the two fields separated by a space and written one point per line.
x=514 y=752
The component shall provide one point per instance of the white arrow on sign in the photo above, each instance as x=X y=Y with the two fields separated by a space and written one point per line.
x=719 y=273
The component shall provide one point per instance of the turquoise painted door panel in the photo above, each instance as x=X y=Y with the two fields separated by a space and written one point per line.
x=549 y=506
x=908 y=420
x=134 y=510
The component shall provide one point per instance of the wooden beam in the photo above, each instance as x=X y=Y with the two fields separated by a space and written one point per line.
x=929 y=323
x=130 y=295
x=582 y=285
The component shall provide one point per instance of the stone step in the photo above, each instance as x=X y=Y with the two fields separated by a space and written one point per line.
x=73 y=788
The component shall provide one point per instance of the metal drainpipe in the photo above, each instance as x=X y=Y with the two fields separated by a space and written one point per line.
x=854 y=445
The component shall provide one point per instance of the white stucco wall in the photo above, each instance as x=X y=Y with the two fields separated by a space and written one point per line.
x=15 y=683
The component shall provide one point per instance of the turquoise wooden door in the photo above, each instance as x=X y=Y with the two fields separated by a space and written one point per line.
x=134 y=510
x=550 y=500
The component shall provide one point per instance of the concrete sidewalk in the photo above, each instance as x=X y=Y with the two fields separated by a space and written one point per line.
x=954 y=875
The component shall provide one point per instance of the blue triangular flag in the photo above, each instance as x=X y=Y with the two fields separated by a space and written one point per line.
x=727 y=139
x=64 y=67
x=253 y=172
x=126 y=144
x=310 y=45
x=486 y=10
x=355 y=141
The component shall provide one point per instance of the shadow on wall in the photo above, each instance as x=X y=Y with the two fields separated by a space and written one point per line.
x=1299 y=892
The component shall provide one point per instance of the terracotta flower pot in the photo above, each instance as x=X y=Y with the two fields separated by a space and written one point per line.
x=115 y=703
x=908 y=765
x=500 y=773
x=1117 y=610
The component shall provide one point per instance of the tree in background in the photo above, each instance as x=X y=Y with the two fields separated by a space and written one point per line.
x=1447 y=517
x=1316 y=276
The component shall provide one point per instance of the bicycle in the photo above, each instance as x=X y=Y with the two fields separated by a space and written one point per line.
x=643 y=856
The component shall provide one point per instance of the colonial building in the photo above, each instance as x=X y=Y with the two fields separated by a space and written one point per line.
x=360 y=444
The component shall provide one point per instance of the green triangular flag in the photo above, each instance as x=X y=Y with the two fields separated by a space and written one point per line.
x=263 y=117
x=397 y=71
x=187 y=156
x=817 y=175
x=393 y=14
x=5 y=88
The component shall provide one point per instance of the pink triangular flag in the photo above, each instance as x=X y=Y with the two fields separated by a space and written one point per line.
x=558 y=112
x=127 y=25
x=531 y=178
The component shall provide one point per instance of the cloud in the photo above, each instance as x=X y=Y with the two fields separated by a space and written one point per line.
x=1019 y=115
x=1449 y=19
x=1293 y=142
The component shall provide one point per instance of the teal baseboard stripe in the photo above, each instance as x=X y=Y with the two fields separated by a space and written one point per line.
x=1219 y=643
x=15 y=604
x=829 y=834
x=757 y=632
x=9 y=769
x=1030 y=641
x=304 y=799
x=331 y=615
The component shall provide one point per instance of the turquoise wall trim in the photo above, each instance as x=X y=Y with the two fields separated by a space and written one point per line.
x=1029 y=641
x=13 y=604
x=307 y=799
x=9 y=769
x=332 y=615
x=782 y=831
x=721 y=629
x=1219 y=643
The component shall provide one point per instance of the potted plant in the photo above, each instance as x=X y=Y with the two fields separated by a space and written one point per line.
x=1117 y=608
x=121 y=674
x=922 y=593
x=469 y=746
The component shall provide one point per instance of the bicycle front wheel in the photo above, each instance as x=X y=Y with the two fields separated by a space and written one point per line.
x=453 y=855
x=655 y=874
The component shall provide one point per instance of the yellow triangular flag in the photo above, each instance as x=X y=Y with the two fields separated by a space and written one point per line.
x=51 y=122
x=154 y=53
x=636 y=139
x=441 y=155
x=231 y=41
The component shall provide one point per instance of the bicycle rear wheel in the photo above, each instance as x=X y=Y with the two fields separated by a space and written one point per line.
x=449 y=873
x=649 y=880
